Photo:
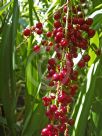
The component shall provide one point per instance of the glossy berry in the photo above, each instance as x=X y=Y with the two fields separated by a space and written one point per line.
x=75 y=20
x=44 y=42
x=65 y=9
x=39 y=25
x=48 y=48
x=55 y=77
x=59 y=35
x=84 y=27
x=81 y=63
x=91 y=33
x=71 y=122
x=89 y=21
x=62 y=72
x=64 y=42
x=49 y=34
x=64 y=19
x=57 y=15
x=57 y=24
x=86 y=58
x=45 y=132
x=52 y=61
x=38 y=31
x=53 y=108
x=36 y=48
x=62 y=127
x=27 y=32
x=81 y=21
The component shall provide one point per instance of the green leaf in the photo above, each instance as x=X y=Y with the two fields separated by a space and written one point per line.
x=36 y=122
x=7 y=92
x=96 y=3
x=97 y=20
x=4 y=8
x=87 y=103
x=94 y=42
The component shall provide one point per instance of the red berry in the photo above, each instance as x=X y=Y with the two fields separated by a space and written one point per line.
x=65 y=9
x=51 y=72
x=36 y=48
x=27 y=32
x=54 y=31
x=49 y=114
x=50 y=127
x=49 y=34
x=64 y=42
x=89 y=21
x=51 y=83
x=57 y=114
x=59 y=55
x=38 y=31
x=45 y=132
x=48 y=48
x=86 y=58
x=69 y=56
x=75 y=20
x=53 y=108
x=91 y=33
x=39 y=25
x=60 y=29
x=81 y=63
x=57 y=15
x=81 y=21
x=52 y=95
x=64 y=19
x=50 y=44
x=55 y=77
x=59 y=35
x=71 y=122
x=51 y=61
x=73 y=89
x=57 y=24
x=63 y=119
x=44 y=42
x=62 y=127
x=84 y=27
x=63 y=109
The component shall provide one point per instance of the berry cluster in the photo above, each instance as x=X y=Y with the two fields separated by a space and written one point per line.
x=69 y=37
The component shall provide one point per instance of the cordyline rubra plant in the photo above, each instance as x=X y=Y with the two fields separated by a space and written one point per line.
x=69 y=37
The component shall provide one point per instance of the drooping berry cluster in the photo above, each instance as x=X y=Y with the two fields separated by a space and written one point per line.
x=69 y=37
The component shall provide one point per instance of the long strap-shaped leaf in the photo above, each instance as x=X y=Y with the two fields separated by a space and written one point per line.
x=87 y=103
x=7 y=90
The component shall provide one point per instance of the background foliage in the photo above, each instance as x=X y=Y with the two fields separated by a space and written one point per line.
x=21 y=83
